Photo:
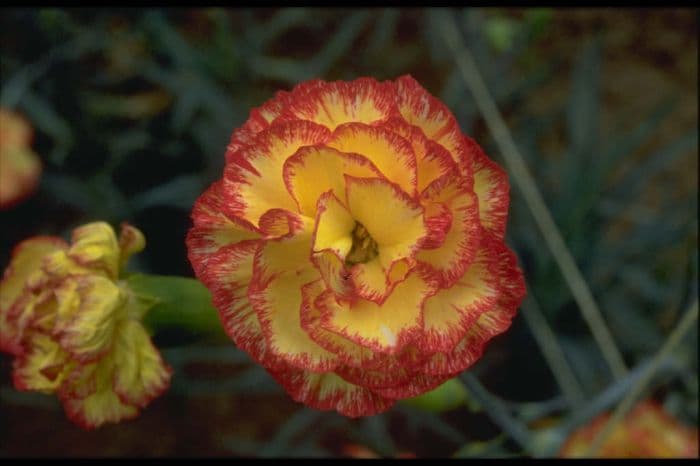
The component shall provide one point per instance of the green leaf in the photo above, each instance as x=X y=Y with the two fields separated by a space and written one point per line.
x=446 y=397
x=178 y=302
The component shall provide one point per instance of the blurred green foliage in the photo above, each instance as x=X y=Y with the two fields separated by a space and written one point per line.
x=132 y=112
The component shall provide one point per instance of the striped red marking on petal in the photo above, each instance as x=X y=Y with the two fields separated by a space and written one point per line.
x=259 y=119
x=331 y=104
x=459 y=244
x=385 y=328
x=449 y=313
x=228 y=275
x=420 y=108
x=212 y=229
x=314 y=170
x=389 y=152
x=417 y=385
x=277 y=223
x=492 y=187
x=433 y=160
x=329 y=391
x=253 y=179
x=489 y=324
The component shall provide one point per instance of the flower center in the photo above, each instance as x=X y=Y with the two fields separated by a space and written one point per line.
x=364 y=248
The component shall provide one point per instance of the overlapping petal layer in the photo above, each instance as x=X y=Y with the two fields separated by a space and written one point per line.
x=354 y=245
x=75 y=328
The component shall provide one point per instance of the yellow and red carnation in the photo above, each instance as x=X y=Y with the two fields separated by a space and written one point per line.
x=20 y=167
x=354 y=245
x=646 y=432
x=74 y=326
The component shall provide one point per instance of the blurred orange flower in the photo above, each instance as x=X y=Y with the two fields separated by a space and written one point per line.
x=354 y=246
x=20 y=167
x=75 y=328
x=647 y=432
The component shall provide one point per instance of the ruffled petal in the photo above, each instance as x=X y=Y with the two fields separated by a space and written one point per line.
x=347 y=351
x=87 y=330
x=421 y=109
x=490 y=323
x=212 y=229
x=313 y=171
x=388 y=151
x=259 y=119
x=492 y=187
x=450 y=312
x=386 y=328
x=140 y=374
x=25 y=261
x=392 y=218
x=93 y=402
x=278 y=305
x=433 y=160
x=131 y=241
x=227 y=275
x=253 y=182
x=43 y=367
x=459 y=244
x=96 y=247
x=331 y=104
x=329 y=391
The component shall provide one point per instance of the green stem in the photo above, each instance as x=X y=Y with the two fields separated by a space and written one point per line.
x=178 y=302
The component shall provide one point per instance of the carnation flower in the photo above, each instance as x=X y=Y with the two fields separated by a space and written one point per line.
x=646 y=432
x=20 y=167
x=354 y=245
x=75 y=328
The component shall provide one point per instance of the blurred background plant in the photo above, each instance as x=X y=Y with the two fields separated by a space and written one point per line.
x=132 y=110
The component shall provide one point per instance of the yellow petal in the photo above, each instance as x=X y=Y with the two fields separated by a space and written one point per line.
x=131 y=241
x=334 y=226
x=140 y=374
x=26 y=259
x=370 y=280
x=433 y=160
x=87 y=332
x=93 y=402
x=253 y=182
x=388 y=151
x=95 y=246
x=421 y=109
x=25 y=263
x=491 y=186
x=330 y=391
x=450 y=312
x=212 y=228
x=43 y=367
x=313 y=171
x=278 y=305
x=331 y=104
x=386 y=328
x=348 y=352
x=228 y=275
x=392 y=219
x=460 y=243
